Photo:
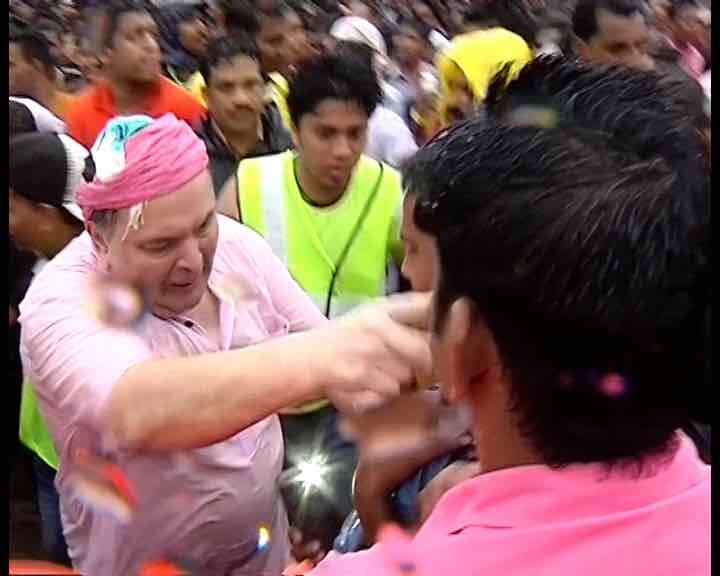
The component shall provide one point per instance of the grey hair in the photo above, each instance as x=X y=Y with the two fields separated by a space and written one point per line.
x=105 y=220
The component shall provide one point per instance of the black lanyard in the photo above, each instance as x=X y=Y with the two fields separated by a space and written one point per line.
x=351 y=240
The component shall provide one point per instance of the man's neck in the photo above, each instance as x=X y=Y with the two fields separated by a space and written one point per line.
x=44 y=94
x=313 y=192
x=207 y=313
x=241 y=143
x=130 y=98
x=499 y=442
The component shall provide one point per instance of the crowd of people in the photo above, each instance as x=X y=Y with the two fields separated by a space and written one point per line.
x=335 y=288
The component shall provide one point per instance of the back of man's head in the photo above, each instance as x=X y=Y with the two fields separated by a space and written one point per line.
x=575 y=220
x=585 y=14
x=34 y=47
x=333 y=76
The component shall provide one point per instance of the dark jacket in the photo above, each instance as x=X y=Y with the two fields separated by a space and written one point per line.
x=223 y=163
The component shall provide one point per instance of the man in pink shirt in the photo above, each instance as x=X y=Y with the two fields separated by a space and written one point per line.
x=177 y=401
x=570 y=316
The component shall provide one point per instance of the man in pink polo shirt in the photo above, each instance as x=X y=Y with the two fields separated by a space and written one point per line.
x=570 y=317
x=170 y=415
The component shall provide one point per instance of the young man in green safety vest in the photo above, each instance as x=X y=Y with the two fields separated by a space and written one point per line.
x=332 y=215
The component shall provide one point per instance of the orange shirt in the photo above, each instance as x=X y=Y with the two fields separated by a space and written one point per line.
x=88 y=114
x=61 y=104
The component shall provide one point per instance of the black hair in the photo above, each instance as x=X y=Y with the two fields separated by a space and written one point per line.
x=223 y=50
x=192 y=12
x=114 y=12
x=34 y=46
x=688 y=96
x=479 y=12
x=240 y=17
x=359 y=52
x=580 y=232
x=277 y=10
x=333 y=76
x=420 y=29
x=509 y=14
x=584 y=17
x=21 y=120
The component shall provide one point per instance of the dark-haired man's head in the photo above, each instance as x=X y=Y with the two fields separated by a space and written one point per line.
x=572 y=227
x=273 y=38
x=331 y=100
x=31 y=67
x=193 y=31
x=234 y=85
x=131 y=43
x=300 y=47
x=267 y=24
x=612 y=32
x=410 y=44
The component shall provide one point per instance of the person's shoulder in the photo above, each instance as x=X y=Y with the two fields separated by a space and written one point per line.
x=82 y=113
x=391 y=177
x=234 y=235
x=64 y=280
x=180 y=100
x=387 y=120
x=237 y=243
x=84 y=99
x=372 y=561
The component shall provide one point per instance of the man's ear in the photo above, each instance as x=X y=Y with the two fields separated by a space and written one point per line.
x=470 y=348
x=456 y=332
x=101 y=244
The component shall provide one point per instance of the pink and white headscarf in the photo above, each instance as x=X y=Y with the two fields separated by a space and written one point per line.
x=138 y=159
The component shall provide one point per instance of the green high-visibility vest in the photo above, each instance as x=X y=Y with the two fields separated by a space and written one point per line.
x=310 y=241
x=361 y=231
x=33 y=430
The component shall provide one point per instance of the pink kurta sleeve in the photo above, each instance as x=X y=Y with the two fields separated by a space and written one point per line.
x=72 y=359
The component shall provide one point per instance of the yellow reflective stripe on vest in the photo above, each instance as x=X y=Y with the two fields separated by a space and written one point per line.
x=261 y=203
x=273 y=207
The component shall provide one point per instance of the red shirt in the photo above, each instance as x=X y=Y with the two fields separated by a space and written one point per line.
x=88 y=114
